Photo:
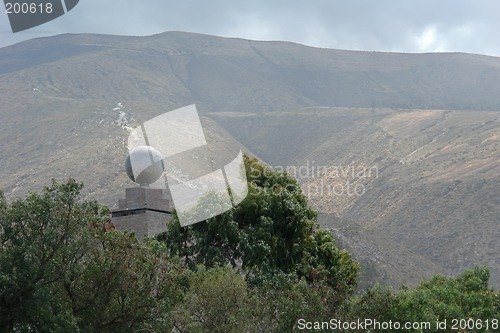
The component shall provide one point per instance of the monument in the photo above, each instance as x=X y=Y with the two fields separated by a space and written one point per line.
x=144 y=210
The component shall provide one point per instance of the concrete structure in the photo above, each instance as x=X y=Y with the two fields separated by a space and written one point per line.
x=144 y=210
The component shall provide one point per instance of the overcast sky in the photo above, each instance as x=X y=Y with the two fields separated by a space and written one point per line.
x=381 y=25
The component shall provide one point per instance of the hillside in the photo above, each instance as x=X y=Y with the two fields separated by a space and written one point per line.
x=411 y=191
x=427 y=123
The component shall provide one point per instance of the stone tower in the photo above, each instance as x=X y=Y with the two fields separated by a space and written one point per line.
x=144 y=210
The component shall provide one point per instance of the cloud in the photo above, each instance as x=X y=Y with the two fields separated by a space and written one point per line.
x=383 y=25
x=430 y=41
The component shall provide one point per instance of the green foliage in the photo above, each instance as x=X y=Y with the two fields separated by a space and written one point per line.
x=272 y=231
x=440 y=298
x=125 y=286
x=211 y=243
x=276 y=220
x=64 y=269
x=217 y=300
x=220 y=300
x=41 y=240
x=284 y=299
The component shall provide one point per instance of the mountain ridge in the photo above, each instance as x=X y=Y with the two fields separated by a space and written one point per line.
x=334 y=77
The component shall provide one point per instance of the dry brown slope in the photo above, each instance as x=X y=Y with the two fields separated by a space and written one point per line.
x=434 y=187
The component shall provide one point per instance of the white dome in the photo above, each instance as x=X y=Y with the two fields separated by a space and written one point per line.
x=144 y=165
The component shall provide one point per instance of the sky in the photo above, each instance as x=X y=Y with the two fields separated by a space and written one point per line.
x=373 y=25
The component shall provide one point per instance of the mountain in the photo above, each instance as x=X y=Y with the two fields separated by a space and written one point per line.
x=401 y=150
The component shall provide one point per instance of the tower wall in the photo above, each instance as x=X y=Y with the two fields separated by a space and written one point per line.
x=144 y=211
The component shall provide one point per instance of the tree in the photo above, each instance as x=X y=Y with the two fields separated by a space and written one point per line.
x=63 y=268
x=465 y=297
x=41 y=239
x=217 y=301
x=272 y=231
x=126 y=286
x=283 y=299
